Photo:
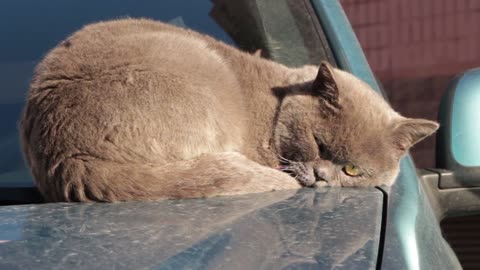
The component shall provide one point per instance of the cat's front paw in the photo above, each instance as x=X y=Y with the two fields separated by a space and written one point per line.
x=272 y=180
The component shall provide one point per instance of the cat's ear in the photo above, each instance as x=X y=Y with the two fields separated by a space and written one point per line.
x=325 y=85
x=409 y=131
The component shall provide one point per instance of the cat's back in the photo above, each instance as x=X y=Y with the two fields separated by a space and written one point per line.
x=146 y=87
x=113 y=46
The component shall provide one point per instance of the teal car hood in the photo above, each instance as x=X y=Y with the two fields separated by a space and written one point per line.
x=305 y=229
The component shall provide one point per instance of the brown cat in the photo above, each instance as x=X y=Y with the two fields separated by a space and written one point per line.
x=139 y=110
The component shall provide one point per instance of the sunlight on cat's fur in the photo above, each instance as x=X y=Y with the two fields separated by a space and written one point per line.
x=135 y=109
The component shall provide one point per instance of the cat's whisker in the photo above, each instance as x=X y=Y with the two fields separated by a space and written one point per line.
x=283 y=159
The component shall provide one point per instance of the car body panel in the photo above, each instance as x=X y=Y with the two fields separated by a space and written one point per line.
x=413 y=239
x=304 y=229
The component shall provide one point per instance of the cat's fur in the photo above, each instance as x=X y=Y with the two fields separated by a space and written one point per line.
x=138 y=110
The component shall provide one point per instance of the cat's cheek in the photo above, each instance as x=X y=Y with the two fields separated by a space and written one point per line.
x=385 y=177
x=349 y=183
x=391 y=178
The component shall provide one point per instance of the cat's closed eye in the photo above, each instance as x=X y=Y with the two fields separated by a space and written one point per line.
x=322 y=149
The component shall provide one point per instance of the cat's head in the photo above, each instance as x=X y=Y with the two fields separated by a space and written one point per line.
x=337 y=131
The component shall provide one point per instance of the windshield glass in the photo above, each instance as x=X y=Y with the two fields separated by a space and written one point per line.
x=282 y=30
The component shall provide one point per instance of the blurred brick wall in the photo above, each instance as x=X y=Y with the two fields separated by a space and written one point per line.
x=414 y=48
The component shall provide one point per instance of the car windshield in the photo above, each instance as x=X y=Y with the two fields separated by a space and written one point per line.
x=29 y=28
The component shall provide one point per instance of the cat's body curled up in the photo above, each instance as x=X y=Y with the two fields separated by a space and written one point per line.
x=137 y=110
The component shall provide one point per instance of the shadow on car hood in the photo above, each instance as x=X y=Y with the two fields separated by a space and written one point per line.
x=307 y=229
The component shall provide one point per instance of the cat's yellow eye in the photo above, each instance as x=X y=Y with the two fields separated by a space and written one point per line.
x=351 y=170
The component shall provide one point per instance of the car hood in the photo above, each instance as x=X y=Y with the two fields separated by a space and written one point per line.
x=307 y=229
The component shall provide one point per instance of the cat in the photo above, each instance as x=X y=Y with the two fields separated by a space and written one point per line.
x=135 y=109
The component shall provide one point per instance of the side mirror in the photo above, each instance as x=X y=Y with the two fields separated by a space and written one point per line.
x=458 y=139
x=453 y=188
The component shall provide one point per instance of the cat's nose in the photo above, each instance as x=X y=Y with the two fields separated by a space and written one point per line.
x=321 y=174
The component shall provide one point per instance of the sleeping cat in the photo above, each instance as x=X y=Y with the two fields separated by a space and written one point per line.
x=135 y=109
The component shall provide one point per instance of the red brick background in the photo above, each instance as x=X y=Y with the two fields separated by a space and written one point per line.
x=414 y=48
